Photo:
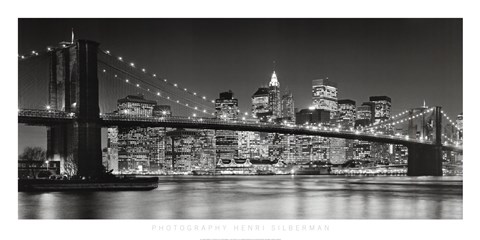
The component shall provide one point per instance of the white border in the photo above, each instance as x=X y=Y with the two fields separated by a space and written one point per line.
x=135 y=229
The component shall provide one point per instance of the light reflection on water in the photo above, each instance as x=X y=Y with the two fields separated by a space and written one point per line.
x=260 y=197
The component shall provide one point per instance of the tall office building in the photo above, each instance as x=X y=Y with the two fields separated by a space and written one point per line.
x=383 y=105
x=138 y=149
x=261 y=104
x=347 y=113
x=226 y=107
x=365 y=114
x=324 y=95
x=275 y=103
x=288 y=107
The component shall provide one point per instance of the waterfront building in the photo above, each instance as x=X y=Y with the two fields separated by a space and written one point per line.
x=189 y=149
x=324 y=95
x=361 y=150
x=226 y=108
x=320 y=149
x=341 y=150
x=249 y=144
x=288 y=152
x=138 y=149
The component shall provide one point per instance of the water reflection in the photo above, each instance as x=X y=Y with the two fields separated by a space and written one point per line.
x=261 y=197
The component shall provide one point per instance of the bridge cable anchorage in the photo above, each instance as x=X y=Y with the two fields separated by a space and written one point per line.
x=156 y=91
x=164 y=80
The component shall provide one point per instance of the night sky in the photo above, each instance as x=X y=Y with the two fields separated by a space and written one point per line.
x=409 y=60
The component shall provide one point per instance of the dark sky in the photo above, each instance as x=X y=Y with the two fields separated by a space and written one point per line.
x=409 y=60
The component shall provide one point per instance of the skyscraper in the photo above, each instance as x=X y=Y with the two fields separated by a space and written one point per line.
x=347 y=112
x=383 y=105
x=274 y=96
x=288 y=107
x=139 y=149
x=260 y=104
x=324 y=95
x=226 y=107
x=365 y=114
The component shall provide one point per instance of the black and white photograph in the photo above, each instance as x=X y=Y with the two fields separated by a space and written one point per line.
x=263 y=127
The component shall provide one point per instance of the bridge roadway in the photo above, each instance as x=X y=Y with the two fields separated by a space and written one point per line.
x=45 y=118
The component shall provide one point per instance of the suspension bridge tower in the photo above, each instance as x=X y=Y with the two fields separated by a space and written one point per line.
x=426 y=159
x=73 y=87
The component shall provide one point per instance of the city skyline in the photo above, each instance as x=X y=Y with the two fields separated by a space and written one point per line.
x=201 y=67
x=358 y=54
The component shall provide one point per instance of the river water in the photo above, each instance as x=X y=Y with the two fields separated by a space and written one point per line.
x=259 y=197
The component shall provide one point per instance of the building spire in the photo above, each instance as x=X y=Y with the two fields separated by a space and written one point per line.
x=73 y=36
x=274 y=80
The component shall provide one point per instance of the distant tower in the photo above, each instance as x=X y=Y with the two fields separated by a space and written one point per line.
x=324 y=95
x=73 y=36
x=288 y=106
x=226 y=107
x=261 y=104
x=274 y=96
x=383 y=106
x=347 y=113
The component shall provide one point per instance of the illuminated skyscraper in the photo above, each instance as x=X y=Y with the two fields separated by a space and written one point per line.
x=261 y=105
x=365 y=114
x=383 y=105
x=226 y=107
x=288 y=107
x=347 y=112
x=275 y=103
x=324 y=95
